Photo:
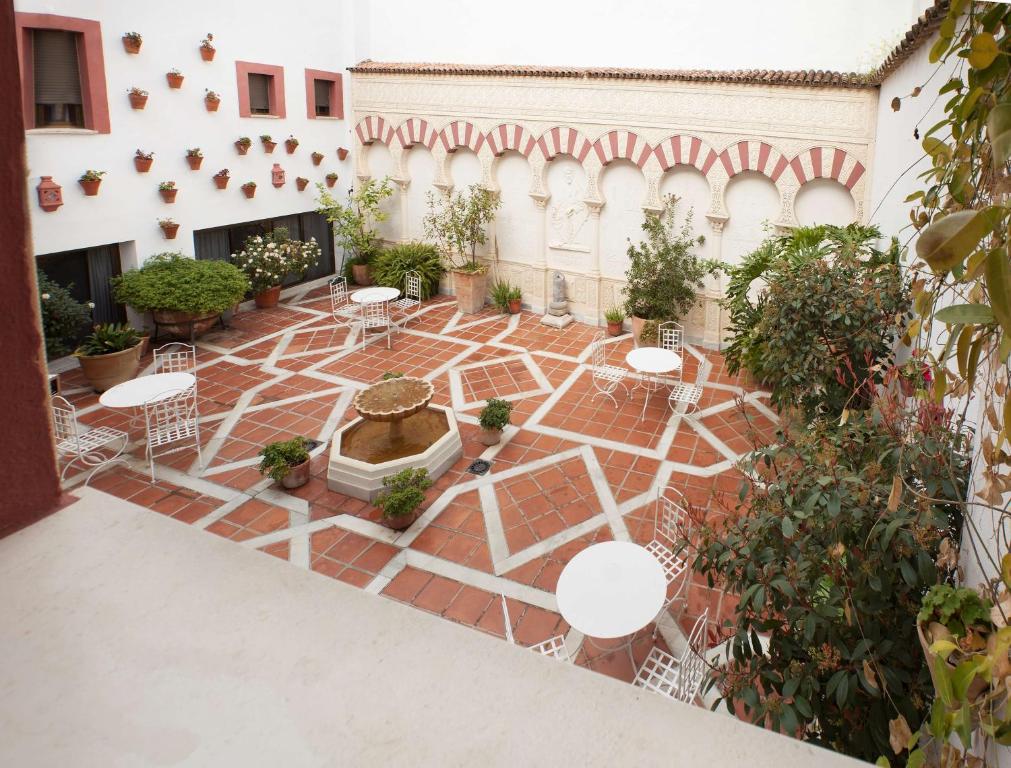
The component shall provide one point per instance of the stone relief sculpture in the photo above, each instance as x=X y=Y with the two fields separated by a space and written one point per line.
x=570 y=213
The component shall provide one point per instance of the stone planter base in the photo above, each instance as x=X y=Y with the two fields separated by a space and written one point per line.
x=183 y=325
x=471 y=289
x=106 y=371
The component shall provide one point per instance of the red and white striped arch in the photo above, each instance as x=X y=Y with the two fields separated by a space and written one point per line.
x=564 y=141
x=374 y=128
x=510 y=136
x=827 y=163
x=416 y=131
x=461 y=133
x=685 y=150
x=753 y=156
x=622 y=145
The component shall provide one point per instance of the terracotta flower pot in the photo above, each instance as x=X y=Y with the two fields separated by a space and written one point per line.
x=90 y=187
x=268 y=299
x=301 y=183
x=138 y=100
x=174 y=80
x=613 y=329
x=268 y=147
x=242 y=148
x=401 y=522
x=170 y=231
x=290 y=147
x=362 y=274
x=317 y=159
x=130 y=45
x=342 y=153
x=489 y=436
x=168 y=195
x=637 y=324
x=249 y=192
x=207 y=54
x=194 y=162
x=471 y=289
x=221 y=182
x=212 y=104
x=142 y=164
x=515 y=305
x=177 y=324
x=106 y=371
x=297 y=476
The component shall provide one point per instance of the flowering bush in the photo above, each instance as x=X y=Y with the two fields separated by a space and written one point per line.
x=268 y=260
x=63 y=316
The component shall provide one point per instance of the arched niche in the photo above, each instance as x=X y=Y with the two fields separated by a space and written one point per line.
x=753 y=203
x=824 y=201
x=568 y=225
x=421 y=171
x=692 y=190
x=380 y=166
x=516 y=228
x=623 y=188
x=464 y=169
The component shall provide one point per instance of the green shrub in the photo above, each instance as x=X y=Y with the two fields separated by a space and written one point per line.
x=957 y=608
x=277 y=459
x=171 y=281
x=109 y=338
x=495 y=415
x=405 y=492
x=614 y=315
x=63 y=316
x=389 y=267
x=502 y=292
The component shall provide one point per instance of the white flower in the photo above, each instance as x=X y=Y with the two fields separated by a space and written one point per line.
x=91 y=305
x=45 y=296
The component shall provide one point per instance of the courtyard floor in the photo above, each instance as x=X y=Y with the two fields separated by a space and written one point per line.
x=572 y=470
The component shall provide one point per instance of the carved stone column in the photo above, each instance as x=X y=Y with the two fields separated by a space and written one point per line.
x=593 y=274
x=713 y=329
x=540 y=262
x=402 y=186
x=787 y=218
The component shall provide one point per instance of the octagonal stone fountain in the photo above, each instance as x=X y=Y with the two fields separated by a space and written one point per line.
x=397 y=429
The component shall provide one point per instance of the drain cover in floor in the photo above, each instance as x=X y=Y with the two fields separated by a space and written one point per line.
x=479 y=467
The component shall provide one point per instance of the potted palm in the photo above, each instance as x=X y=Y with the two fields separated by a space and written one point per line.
x=355 y=223
x=175 y=78
x=457 y=223
x=211 y=100
x=138 y=97
x=132 y=42
x=267 y=261
x=142 y=161
x=402 y=498
x=207 y=49
x=493 y=419
x=615 y=317
x=194 y=157
x=221 y=178
x=290 y=144
x=110 y=355
x=268 y=143
x=286 y=462
x=242 y=144
x=168 y=191
x=90 y=182
x=169 y=228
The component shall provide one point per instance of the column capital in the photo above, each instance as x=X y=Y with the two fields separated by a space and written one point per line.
x=717 y=222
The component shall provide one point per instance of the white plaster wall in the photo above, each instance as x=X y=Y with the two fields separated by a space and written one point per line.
x=515 y=232
x=128 y=206
x=824 y=201
x=381 y=160
x=752 y=203
x=692 y=191
x=624 y=191
x=421 y=170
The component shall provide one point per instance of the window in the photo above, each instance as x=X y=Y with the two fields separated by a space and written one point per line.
x=324 y=96
x=259 y=94
x=322 y=89
x=261 y=89
x=57 y=78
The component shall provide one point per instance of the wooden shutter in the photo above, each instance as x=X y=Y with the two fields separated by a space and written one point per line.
x=322 y=88
x=57 y=78
x=259 y=94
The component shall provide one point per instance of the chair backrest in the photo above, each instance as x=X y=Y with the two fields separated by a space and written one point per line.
x=338 y=294
x=670 y=335
x=171 y=415
x=692 y=664
x=64 y=420
x=175 y=358
x=673 y=518
x=375 y=313
x=412 y=285
x=598 y=352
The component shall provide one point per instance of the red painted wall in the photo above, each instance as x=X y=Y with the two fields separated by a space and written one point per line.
x=29 y=483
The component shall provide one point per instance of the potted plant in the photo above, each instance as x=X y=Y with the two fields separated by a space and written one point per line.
x=249 y=189
x=341 y=153
x=63 y=316
x=175 y=78
x=402 y=498
x=493 y=419
x=301 y=182
x=268 y=143
x=290 y=144
x=194 y=157
x=507 y=297
x=391 y=266
x=317 y=158
x=221 y=178
x=207 y=49
x=355 y=221
x=142 y=161
x=132 y=41
x=286 y=462
x=185 y=296
x=955 y=622
x=168 y=191
x=90 y=182
x=457 y=223
x=169 y=228
x=664 y=274
x=615 y=317
x=211 y=100
x=110 y=355
x=242 y=144
x=331 y=179
x=138 y=97
x=268 y=260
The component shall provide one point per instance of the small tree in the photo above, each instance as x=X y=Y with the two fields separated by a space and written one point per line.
x=355 y=222
x=458 y=224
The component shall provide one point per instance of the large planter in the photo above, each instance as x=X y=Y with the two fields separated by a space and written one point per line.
x=179 y=324
x=489 y=436
x=401 y=522
x=297 y=476
x=105 y=371
x=976 y=687
x=362 y=274
x=471 y=289
x=268 y=299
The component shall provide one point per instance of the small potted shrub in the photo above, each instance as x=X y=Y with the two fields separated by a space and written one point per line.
x=221 y=178
x=185 y=296
x=207 y=49
x=90 y=182
x=142 y=161
x=331 y=179
x=243 y=144
x=955 y=621
x=615 y=317
x=168 y=228
x=132 y=41
x=194 y=157
x=268 y=143
x=268 y=260
x=317 y=158
x=175 y=78
x=138 y=97
x=211 y=100
x=63 y=316
x=286 y=462
x=290 y=144
x=402 y=498
x=110 y=355
x=249 y=189
x=507 y=297
x=493 y=419
x=301 y=182
x=168 y=191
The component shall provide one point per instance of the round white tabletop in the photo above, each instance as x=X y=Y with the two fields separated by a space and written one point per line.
x=611 y=589
x=653 y=360
x=145 y=389
x=376 y=293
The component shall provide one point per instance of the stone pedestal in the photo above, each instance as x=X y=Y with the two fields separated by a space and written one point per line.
x=556 y=321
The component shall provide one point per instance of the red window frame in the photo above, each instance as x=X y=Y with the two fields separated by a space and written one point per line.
x=243 y=69
x=336 y=94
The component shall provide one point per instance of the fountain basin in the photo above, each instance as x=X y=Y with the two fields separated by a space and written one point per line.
x=355 y=476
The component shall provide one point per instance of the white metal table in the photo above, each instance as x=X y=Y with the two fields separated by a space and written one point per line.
x=651 y=362
x=611 y=590
x=375 y=293
x=146 y=389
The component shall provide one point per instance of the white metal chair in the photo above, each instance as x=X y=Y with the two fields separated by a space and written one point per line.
x=672 y=522
x=606 y=378
x=554 y=646
x=671 y=336
x=176 y=357
x=172 y=418
x=677 y=678
x=376 y=315
x=685 y=392
x=90 y=447
x=409 y=305
x=343 y=309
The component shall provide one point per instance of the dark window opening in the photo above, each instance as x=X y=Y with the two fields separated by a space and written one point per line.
x=57 y=77
x=259 y=93
x=87 y=273
x=323 y=89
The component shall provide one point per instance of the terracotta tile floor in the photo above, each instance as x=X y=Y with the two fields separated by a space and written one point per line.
x=573 y=470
